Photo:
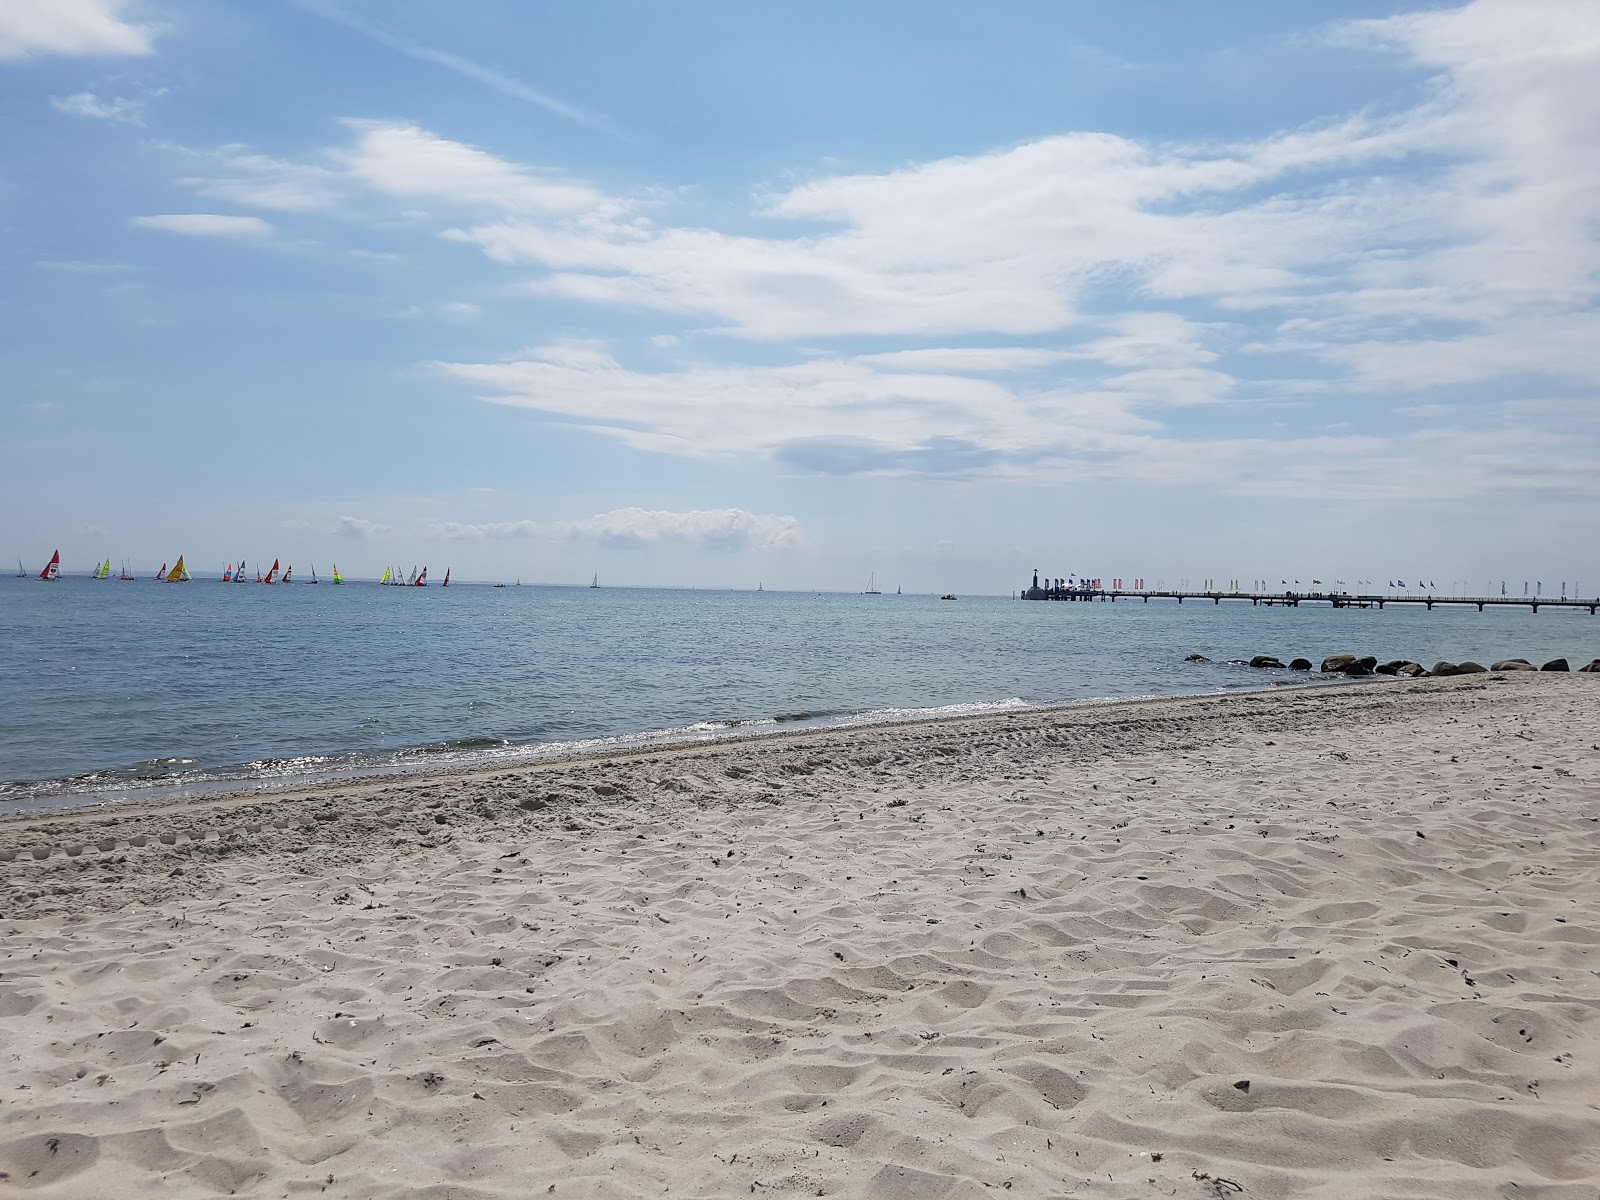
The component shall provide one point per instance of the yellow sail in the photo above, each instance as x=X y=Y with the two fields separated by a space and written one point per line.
x=386 y=573
x=105 y=570
x=337 y=578
x=178 y=574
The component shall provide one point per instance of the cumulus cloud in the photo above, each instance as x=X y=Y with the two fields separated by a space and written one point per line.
x=358 y=527
x=35 y=28
x=724 y=529
x=118 y=110
x=205 y=225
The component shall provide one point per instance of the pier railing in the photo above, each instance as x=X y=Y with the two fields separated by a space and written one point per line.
x=1293 y=599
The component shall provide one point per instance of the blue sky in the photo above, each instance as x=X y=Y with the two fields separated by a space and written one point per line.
x=711 y=294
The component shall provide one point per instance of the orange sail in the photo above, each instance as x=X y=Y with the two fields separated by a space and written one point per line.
x=178 y=574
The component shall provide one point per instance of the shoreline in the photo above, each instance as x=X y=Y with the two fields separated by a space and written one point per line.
x=1311 y=943
x=516 y=756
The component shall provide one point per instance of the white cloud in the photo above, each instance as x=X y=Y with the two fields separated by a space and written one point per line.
x=248 y=178
x=33 y=28
x=724 y=529
x=205 y=225
x=828 y=414
x=118 y=110
x=357 y=527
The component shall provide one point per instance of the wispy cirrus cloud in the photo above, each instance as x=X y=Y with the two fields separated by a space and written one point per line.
x=118 y=110
x=70 y=28
x=722 y=529
x=213 y=225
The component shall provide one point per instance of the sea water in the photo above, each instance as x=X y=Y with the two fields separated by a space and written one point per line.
x=113 y=690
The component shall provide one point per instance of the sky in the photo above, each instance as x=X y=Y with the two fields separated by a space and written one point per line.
x=715 y=295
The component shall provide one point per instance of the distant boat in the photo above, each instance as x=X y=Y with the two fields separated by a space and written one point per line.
x=271 y=576
x=238 y=572
x=287 y=575
x=161 y=575
x=499 y=585
x=446 y=582
x=105 y=570
x=227 y=573
x=388 y=573
x=412 y=581
x=337 y=578
x=595 y=582
x=179 y=573
x=897 y=589
x=947 y=596
x=126 y=574
x=759 y=588
x=313 y=578
x=421 y=580
x=22 y=571
x=52 y=569
x=872 y=589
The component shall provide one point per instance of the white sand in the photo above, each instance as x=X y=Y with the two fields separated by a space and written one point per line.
x=1039 y=954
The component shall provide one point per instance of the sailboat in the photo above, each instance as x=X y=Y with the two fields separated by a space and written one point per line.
x=288 y=573
x=871 y=587
x=421 y=580
x=239 y=574
x=52 y=569
x=126 y=575
x=104 y=571
x=313 y=578
x=161 y=575
x=179 y=573
x=595 y=582
x=412 y=581
x=337 y=578
x=897 y=589
x=759 y=588
x=227 y=573
x=271 y=575
x=446 y=582
x=388 y=573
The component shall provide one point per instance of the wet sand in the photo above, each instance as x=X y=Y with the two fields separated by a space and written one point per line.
x=1333 y=943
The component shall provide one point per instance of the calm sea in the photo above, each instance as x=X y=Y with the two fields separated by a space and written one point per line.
x=113 y=690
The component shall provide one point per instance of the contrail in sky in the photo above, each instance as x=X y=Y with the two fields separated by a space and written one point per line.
x=487 y=76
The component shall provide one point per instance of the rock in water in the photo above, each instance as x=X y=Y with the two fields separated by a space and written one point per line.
x=1265 y=660
x=1300 y=664
x=1337 y=662
x=1556 y=664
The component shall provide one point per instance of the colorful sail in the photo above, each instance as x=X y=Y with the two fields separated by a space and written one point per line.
x=387 y=573
x=422 y=580
x=288 y=574
x=52 y=569
x=446 y=582
x=272 y=574
x=337 y=578
x=105 y=570
x=161 y=575
x=178 y=574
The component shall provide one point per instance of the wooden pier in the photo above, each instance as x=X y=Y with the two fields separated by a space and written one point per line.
x=1296 y=599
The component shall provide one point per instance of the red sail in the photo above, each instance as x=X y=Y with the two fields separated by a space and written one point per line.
x=52 y=568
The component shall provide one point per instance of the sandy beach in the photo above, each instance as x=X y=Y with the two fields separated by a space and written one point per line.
x=1340 y=942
